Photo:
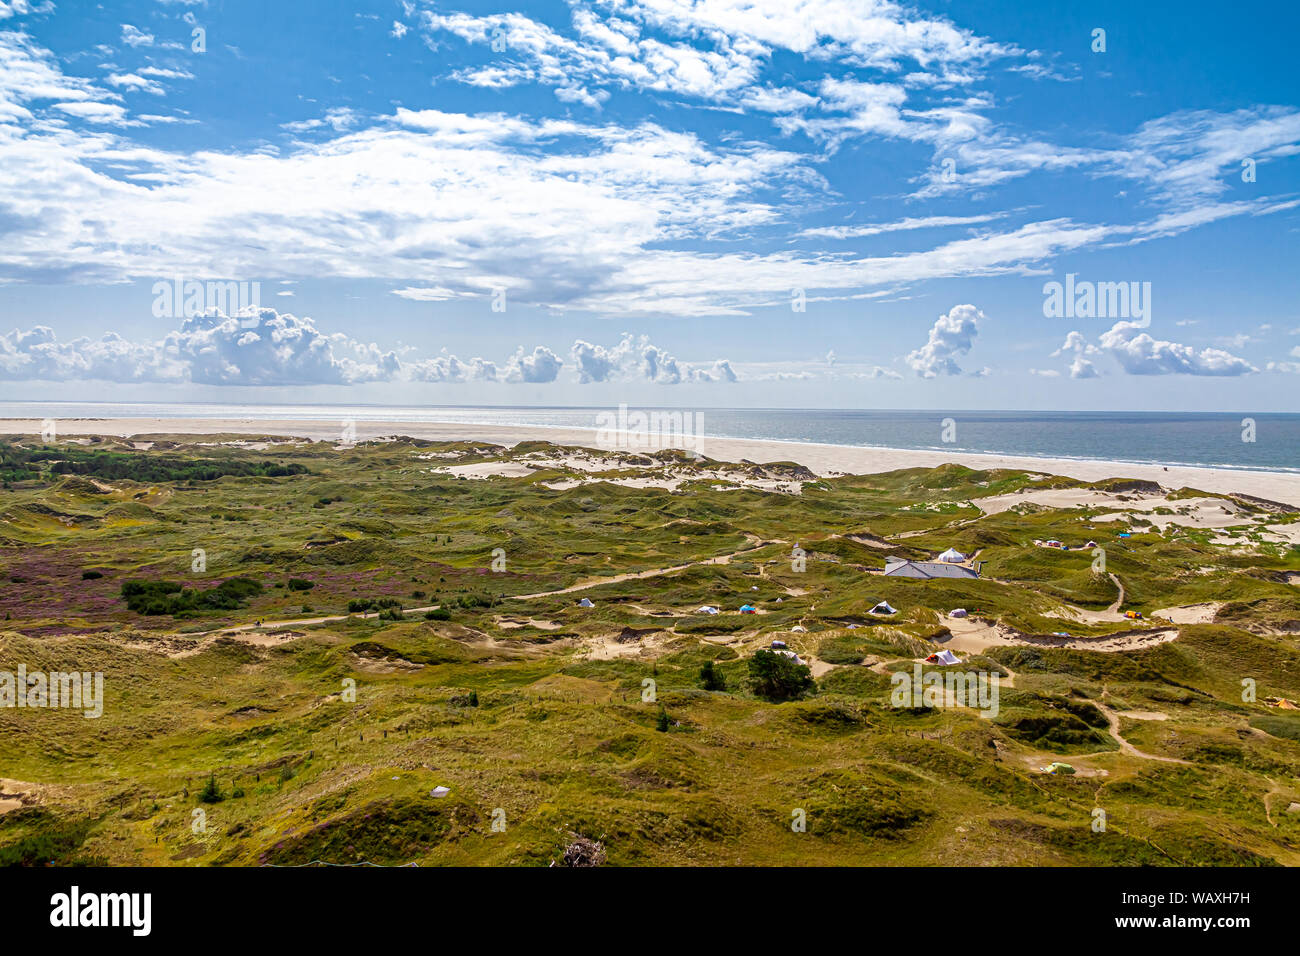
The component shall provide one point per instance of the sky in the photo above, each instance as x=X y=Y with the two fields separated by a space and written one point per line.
x=694 y=203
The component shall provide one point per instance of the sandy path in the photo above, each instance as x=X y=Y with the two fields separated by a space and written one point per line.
x=1112 y=718
x=824 y=459
x=259 y=634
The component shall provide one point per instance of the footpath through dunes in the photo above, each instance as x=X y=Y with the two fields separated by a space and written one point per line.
x=264 y=632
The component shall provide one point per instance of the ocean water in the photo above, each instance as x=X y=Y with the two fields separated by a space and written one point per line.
x=1171 y=438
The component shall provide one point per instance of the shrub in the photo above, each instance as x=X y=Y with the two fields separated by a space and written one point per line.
x=170 y=597
x=777 y=677
x=211 y=793
x=711 y=678
x=301 y=584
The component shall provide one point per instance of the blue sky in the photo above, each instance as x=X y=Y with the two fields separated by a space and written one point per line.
x=836 y=203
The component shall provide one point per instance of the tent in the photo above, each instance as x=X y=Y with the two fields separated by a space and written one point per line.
x=957 y=612
x=1058 y=767
x=748 y=609
x=944 y=656
x=707 y=609
x=439 y=791
x=884 y=608
x=952 y=556
x=778 y=644
x=585 y=602
x=799 y=628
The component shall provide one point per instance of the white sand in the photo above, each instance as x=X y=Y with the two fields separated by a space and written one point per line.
x=820 y=458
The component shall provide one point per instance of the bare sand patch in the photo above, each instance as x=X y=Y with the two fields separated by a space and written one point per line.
x=485 y=469
x=1190 y=613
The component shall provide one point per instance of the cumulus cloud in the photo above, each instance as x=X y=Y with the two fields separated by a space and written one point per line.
x=259 y=346
x=636 y=359
x=542 y=365
x=1138 y=353
x=1077 y=346
x=952 y=335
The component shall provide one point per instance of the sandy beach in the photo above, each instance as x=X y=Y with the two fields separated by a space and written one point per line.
x=825 y=460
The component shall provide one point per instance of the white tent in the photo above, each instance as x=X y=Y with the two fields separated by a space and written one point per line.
x=707 y=609
x=884 y=608
x=800 y=628
x=957 y=612
x=439 y=792
x=585 y=602
x=952 y=556
x=946 y=656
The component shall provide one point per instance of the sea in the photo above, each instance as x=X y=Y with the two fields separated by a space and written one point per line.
x=1260 y=441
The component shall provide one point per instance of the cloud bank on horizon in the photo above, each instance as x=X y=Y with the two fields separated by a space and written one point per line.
x=858 y=175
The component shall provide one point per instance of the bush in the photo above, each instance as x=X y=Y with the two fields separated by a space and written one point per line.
x=362 y=605
x=211 y=793
x=711 y=678
x=301 y=584
x=438 y=614
x=777 y=677
x=170 y=597
x=91 y=575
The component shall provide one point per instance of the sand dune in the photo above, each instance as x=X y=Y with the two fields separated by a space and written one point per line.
x=821 y=458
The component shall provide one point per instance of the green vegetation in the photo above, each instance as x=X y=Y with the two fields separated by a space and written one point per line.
x=325 y=739
x=171 y=597
x=777 y=677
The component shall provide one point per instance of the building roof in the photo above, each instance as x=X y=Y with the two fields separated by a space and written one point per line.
x=903 y=568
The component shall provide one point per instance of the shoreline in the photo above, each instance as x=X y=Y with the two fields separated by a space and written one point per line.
x=821 y=458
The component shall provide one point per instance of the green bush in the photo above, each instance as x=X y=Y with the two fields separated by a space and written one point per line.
x=777 y=677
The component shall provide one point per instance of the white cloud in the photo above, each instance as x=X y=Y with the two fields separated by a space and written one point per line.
x=902 y=225
x=952 y=335
x=542 y=365
x=636 y=359
x=259 y=346
x=134 y=37
x=1138 y=353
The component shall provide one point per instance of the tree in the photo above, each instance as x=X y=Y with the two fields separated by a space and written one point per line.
x=711 y=678
x=777 y=677
x=211 y=793
x=662 y=724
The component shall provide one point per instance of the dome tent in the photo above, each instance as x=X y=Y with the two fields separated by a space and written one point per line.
x=952 y=556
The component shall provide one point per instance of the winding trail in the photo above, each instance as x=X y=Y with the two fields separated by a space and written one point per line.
x=1112 y=719
x=1119 y=601
x=755 y=544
